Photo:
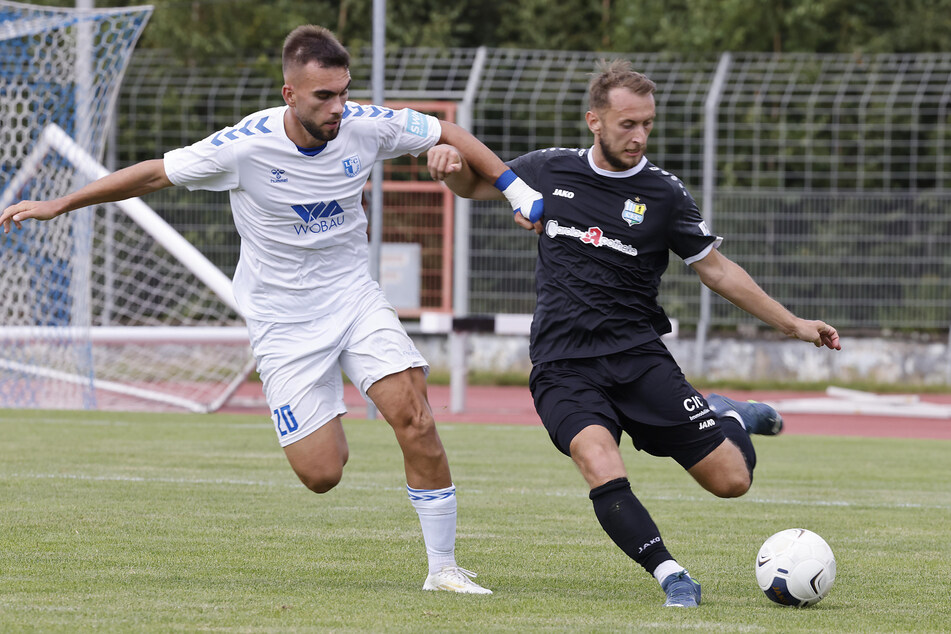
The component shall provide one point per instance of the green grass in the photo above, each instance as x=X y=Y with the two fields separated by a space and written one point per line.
x=123 y=522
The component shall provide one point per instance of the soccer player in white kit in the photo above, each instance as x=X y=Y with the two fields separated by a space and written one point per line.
x=296 y=176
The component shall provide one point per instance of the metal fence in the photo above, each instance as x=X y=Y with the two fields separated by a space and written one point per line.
x=828 y=175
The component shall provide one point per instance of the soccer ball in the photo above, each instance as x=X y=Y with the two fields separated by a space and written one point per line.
x=795 y=567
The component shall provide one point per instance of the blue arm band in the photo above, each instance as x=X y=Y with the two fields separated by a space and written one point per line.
x=506 y=179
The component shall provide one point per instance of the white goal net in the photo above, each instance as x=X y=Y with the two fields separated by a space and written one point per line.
x=105 y=308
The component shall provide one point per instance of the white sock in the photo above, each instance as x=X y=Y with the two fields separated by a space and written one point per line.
x=437 y=516
x=665 y=569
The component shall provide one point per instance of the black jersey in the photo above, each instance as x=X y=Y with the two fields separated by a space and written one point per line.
x=605 y=244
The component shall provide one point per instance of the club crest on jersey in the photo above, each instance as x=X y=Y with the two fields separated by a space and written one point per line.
x=277 y=175
x=633 y=212
x=351 y=166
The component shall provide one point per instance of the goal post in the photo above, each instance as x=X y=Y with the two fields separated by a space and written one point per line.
x=107 y=345
x=98 y=309
x=54 y=139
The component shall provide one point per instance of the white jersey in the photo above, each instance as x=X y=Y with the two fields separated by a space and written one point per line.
x=304 y=246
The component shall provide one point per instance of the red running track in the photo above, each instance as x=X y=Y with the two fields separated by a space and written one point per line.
x=513 y=406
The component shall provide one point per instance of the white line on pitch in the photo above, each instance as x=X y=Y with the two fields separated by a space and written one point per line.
x=472 y=491
x=143 y=479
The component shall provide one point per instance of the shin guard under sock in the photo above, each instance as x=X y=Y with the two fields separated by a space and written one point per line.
x=628 y=523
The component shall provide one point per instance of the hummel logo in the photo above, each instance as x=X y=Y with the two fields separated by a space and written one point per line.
x=564 y=193
x=704 y=424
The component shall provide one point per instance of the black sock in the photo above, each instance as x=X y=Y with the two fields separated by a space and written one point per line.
x=734 y=431
x=628 y=523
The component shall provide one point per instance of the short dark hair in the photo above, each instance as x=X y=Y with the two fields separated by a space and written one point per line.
x=617 y=73
x=311 y=43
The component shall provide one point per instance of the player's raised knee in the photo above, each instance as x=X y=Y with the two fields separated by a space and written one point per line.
x=321 y=482
x=731 y=485
x=320 y=478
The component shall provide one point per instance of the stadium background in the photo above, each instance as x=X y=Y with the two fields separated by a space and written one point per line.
x=828 y=174
x=183 y=522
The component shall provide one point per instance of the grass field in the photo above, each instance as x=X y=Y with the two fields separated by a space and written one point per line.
x=183 y=523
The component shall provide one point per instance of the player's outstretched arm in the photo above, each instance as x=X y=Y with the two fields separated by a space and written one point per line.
x=135 y=180
x=729 y=280
x=523 y=198
x=447 y=164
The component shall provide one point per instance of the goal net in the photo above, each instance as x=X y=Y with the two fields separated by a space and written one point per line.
x=104 y=308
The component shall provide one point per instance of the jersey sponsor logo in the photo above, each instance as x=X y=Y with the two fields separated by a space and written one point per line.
x=564 y=193
x=318 y=217
x=593 y=236
x=695 y=406
x=277 y=175
x=351 y=166
x=634 y=211
x=250 y=128
x=416 y=123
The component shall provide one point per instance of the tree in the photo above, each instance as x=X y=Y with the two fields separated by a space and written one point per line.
x=196 y=31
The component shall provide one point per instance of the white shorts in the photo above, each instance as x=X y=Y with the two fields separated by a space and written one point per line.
x=300 y=363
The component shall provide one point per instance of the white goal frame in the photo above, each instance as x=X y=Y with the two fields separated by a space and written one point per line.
x=53 y=138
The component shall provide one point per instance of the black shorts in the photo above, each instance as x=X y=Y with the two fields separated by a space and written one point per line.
x=641 y=391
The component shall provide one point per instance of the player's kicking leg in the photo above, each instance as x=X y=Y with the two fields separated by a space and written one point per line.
x=727 y=471
x=756 y=418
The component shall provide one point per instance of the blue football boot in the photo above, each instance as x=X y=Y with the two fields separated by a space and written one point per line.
x=759 y=418
x=682 y=591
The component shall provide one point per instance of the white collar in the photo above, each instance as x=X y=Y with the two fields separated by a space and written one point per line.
x=625 y=174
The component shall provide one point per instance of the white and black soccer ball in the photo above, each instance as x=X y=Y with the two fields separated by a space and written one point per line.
x=795 y=567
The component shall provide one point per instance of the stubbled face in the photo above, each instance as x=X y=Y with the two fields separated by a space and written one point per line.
x=316 y=96
x=621 y=129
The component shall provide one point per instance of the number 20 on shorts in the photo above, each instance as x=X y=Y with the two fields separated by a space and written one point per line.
x=284 y=418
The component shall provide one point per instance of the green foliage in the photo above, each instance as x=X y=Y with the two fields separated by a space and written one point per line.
x=201 y=30
x=811 y=26
x=183 y=523
x=197 y=30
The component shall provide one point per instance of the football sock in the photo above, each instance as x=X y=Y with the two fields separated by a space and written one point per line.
x=437 y=516
x=628 y=523
x=665 y=569
x=734 y=430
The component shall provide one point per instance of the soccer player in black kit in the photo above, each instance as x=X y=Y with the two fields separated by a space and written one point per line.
x=610 y=220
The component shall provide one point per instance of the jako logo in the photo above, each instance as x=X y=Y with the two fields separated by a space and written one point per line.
x=704 y=424
x=318 y=217
x=564 y=193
